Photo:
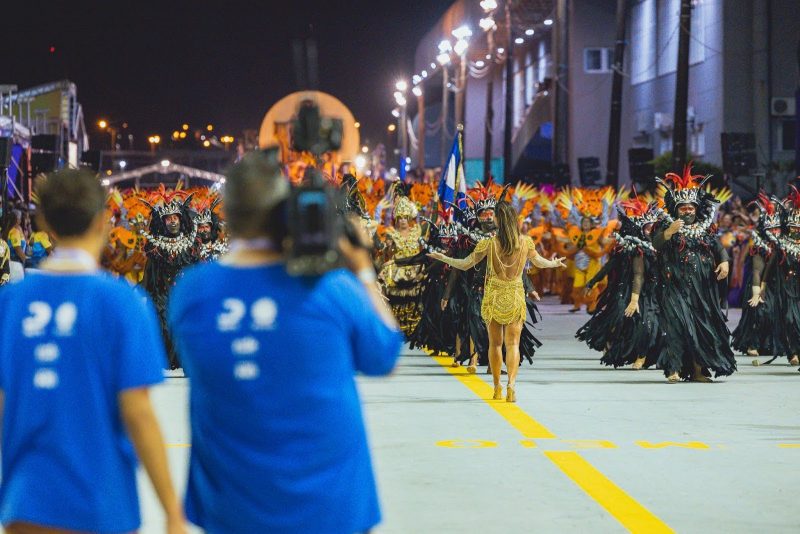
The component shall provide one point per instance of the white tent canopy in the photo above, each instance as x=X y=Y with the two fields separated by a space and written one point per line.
x=165 y=167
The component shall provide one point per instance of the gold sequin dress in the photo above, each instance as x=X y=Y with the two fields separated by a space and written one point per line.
x=402 y=283
x=504 y=294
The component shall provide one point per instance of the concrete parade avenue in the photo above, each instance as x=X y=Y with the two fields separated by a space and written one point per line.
x=585 y=446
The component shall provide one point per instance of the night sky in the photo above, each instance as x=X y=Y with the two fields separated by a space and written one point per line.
x=157 y=65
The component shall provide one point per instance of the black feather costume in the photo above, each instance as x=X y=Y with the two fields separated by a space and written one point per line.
x=632 y=268
x=688 y=291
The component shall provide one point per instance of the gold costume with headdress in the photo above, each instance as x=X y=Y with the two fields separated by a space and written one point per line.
x=402 y=281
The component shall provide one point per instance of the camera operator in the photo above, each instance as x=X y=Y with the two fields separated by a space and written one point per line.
x=278 y=440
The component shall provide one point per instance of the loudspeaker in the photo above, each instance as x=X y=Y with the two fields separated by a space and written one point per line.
x=91 y=158
x=640 y=165
x=738 y=153
x=589 y=172
x=43 y=162
x=45 y=142
x=5 y=152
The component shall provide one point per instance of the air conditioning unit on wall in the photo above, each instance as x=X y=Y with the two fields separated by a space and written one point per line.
x=663 y=122
x=783 y=107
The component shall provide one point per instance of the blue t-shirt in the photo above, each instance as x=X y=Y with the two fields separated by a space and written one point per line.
x=278 y=439
x=69 y=344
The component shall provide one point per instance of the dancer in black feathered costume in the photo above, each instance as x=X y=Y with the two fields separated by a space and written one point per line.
x=467 y=287
x=170 y=247
x=437 y=329
x=211 y=243
x=691 y=261
x=626 y=326
x=759 y=330
x=785 y=269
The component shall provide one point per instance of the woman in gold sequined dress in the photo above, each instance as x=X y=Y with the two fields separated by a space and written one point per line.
x=503 y=307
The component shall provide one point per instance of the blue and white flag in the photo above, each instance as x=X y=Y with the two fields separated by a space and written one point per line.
x=453 y=178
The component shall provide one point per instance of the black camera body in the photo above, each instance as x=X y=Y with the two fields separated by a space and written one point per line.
x=315 y=209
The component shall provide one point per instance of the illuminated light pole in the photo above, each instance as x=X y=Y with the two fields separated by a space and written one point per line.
x=400 y=99
x=444 y=59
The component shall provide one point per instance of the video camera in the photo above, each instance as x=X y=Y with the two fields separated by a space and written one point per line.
x=315 y=208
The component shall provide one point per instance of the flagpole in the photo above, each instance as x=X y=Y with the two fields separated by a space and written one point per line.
x=460 y=129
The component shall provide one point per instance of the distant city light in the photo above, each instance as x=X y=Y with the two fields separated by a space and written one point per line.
x=501 y=50
x=548 y=22
x=391 y=127
x=206 y=143
x=480 y=63
x=357 y=124
x=401 y=85
x=519 y=40
x=486 y=23
x=416 y=79
x=461 y=47
x=122 y=164
x=529 y=32
x=488 y=5
x=445 y=46
x=417 y=91
x=396 y=113
x=185 y=127
x=165 y=163
x=361 y=162
x=443 y=59
x=424 y=73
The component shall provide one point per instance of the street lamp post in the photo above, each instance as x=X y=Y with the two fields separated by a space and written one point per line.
x=462 y=34
x=444 y=59
x=112 y=132
x=400 y=99
x=154 y=140
x=489 y=26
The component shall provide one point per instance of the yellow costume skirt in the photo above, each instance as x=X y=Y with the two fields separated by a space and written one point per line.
x=503 y=301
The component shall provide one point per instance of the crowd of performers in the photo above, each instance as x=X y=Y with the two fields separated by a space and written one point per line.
x=157 y=233
x=651 y=271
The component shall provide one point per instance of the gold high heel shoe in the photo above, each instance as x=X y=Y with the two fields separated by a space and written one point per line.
x=510 y=395
x=498 y=392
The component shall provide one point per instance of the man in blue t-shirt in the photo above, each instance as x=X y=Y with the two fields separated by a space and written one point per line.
x=278 y=438
x=78 y=352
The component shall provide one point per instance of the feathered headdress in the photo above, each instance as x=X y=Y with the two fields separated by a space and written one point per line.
x=204 y=208
x=164 y=202
x=771 y=211
x=792 y=204
x=687 y=189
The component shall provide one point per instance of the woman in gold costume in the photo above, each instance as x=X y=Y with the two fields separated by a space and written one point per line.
x=503 y=307
x=403 y=269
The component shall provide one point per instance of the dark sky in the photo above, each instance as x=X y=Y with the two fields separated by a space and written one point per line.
x=159 y=64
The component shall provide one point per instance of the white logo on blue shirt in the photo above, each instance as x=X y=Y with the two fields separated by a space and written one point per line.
x=245 y=346
x=45 y=379
x=47 y=352
x=246 y=371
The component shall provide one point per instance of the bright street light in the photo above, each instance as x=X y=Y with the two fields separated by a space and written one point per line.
x=400 y=99
x=433 y=66
x=416 y=79
x=424 y=73
x=210 y=127
x=461 y=47
x=462 y=32
x=480 y=63
x=122 y=164
x=501 y=50
x=417 y=91
x=361 y=162
x=103 y=124
x=396 y=113
x=391 y=127
x=548 y=22
x=529 y=32
x=357 y=125
x=165 y=163
x=486 y=24
x=443 y=58
x=206 y=143
x=445 y=46
x=365 y=149
x=488 y=5
x=401 y=85
x=519 y=40
x=185 y=127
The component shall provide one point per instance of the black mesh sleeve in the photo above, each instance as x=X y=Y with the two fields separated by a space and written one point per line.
x=638 y=275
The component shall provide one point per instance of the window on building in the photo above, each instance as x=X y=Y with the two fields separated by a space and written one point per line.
x=530 y=86
x=787 y=134
x=668 y=34
x=644 y=42
x=597 y=60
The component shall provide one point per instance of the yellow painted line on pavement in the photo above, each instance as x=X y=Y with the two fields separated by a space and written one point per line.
x=624 y=508
x=527 y=425
x=789 y=445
